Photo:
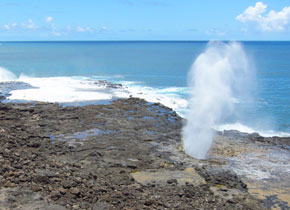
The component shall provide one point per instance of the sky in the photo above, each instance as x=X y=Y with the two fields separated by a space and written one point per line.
x=35 y=20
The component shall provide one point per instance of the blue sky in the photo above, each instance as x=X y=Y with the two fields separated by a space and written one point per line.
x=144 y=20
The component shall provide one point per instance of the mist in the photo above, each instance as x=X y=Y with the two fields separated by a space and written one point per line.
x=6 y=75
x=218 y=78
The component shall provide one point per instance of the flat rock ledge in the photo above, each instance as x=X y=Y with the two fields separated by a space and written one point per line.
x=123 y=155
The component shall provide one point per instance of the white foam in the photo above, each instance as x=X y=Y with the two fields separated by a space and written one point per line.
x=165 y=96
x=245 y=129
x=64 y=95
x=60 y=89
x=76 y=89
x=6 y=75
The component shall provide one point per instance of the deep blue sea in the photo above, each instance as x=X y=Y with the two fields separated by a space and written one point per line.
x=67 y=72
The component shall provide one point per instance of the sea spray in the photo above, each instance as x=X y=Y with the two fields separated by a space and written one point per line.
x=217 y=78
x=6 y=75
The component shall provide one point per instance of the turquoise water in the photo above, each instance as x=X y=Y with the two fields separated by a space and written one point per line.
x=155 y=63
x=162 y=66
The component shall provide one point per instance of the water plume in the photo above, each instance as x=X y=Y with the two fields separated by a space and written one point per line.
x=6 y=75
x=217 y=78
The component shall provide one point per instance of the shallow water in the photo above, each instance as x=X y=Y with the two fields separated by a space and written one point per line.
x=77 y=137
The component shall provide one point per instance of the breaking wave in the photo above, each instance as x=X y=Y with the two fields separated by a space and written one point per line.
x=89 y=90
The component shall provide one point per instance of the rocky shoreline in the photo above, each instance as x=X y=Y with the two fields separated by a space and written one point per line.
x=123 y=155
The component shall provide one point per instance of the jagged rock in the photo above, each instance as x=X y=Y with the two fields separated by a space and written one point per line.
x=86 y=158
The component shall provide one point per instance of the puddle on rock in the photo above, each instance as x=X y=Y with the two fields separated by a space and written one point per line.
x=77 y=137
x=189 y=175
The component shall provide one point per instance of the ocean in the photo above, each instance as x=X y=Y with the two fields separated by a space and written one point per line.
x=67 y=72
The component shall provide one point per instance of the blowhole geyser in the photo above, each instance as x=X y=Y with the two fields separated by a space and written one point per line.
x=217 y=78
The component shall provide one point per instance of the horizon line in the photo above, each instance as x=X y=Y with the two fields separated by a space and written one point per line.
x=143 y=41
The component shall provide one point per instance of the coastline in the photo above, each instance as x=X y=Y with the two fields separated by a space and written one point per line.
x=126 y=154
x=82 y=91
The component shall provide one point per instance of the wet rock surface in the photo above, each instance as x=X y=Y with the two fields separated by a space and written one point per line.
x=95 y=157
x=263 y=163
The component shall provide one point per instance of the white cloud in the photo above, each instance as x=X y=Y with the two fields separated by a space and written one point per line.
x=52 y=26
x=56 y=33
x=272 y=21
x=48 y=26
x=215 y=32
x=80 y=29
x=104 y=28
x=8 y=27
x=29 y=25
x=49 y=19
x=83 y=29
x=252 y=13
